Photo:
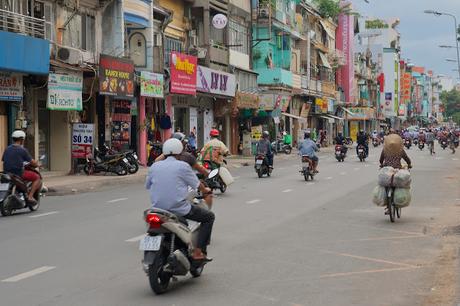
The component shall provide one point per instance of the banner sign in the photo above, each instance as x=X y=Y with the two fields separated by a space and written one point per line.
x=215 y=81
x=65 y=91
x=266 y=101
x=247 y=100
x=10 y=86
x=116 y=76
x=360 y=113
x=183 y=74
x=82 y=140
x=282 y=102
x=152 y=84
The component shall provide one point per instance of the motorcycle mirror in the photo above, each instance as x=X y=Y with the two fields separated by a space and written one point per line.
x=42 y=157
x=213 y=173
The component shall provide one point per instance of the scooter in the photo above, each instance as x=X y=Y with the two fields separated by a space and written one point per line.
x=443 y=144
x=421 y=145
x=168 y=245
x=362 y=153
x=375 y=142
x=107 y=153
x=117 y=164
x=307 y=168
x=279 y=146
x=261 y=166
x=14 y=191
x=156 y=148
x=221 y=180
x=340 y=153
x=407 y=143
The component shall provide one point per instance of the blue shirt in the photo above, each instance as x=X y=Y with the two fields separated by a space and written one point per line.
x=168 y=182
x=14 y=158
x=308 y=147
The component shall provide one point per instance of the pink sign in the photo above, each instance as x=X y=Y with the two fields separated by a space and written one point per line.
x=344 y=42
x=183 y=73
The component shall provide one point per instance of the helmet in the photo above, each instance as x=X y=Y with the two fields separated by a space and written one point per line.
x=18 y=134
x=178 y=135
x=307 y=135
x=214 y=133
x=172 y=146
x=265 y=134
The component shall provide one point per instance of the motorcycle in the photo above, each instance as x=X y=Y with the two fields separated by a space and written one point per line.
x=133 y=161
x=362 y=153
x=222 y=178
x=307 y=168
x=261 y=166
x=407 y=143
x=421 y=145
x=279 y=146
x=443 y=144
x=167 y=247
x=340 y=153
x=14 y=191
x=117 y=164
x=375 y=142
x=156 y=148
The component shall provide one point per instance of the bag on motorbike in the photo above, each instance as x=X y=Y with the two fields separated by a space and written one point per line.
x=402 y=179
x=386 y=176
x=402 y=197
x=226 y=176
x=379 y=196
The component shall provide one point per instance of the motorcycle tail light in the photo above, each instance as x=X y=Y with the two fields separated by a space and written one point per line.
x=206 y=165
x=154 y=220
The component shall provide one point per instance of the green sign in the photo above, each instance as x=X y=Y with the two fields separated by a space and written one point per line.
x=65 y=91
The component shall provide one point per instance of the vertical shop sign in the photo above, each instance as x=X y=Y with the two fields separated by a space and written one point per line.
x=82 y=140
x=183 y=73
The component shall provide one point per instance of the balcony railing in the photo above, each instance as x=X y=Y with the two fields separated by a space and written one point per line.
x=23 y=24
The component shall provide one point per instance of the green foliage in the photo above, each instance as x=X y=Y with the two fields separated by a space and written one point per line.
x=451 y=101
x=328 y=8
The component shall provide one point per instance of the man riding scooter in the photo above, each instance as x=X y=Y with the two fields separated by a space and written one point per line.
x=308 y=148
x=340 y=141
x=15 y=157
x=264 y=148
x=362 y=141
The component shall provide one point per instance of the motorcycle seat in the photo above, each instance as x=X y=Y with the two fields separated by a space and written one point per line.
x=19 y=182
x=183 y=220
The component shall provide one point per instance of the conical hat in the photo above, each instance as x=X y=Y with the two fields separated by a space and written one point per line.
x=393 y=144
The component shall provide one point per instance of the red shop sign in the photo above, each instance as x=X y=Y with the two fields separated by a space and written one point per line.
x=183 y=73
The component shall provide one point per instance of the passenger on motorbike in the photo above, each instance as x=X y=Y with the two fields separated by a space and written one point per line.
x=264 y=148
x=308 y=147
x=340 y=140
x=215 y=150
x=15 y=157
x=362 y=140
x=168 y=182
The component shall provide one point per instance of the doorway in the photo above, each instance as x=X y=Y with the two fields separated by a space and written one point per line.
x=44 y=134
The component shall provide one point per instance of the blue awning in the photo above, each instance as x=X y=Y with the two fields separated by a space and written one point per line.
x=136 y=19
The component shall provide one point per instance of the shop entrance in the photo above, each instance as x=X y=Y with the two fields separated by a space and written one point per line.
x=44 y=134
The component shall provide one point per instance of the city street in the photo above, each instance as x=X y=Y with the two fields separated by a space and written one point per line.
x=276 y=241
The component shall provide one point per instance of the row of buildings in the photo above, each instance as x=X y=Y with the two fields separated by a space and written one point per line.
x=128 y=73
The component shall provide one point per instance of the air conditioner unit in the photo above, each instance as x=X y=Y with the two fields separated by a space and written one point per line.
x=69 y=55
x=202 y=52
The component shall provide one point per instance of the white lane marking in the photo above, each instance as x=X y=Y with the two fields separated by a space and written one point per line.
x=309 y=184
x=356 y=169
x=366 y=166
x=343 y=173
x=236 y=166
x=117 y=200
x=253 y=201
x=287 y=190
x=454 y=158
x=135 y=239
x=328 y=178
x=44 y=214
x=25 y=275
x=236 y=177
x=439 y=158
x=281 y=168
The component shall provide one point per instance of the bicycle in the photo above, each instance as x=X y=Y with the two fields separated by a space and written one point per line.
x=394 y=211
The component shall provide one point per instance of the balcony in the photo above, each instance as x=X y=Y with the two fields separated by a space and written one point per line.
x=275 y=76
x=22 y=24
x=218 y=54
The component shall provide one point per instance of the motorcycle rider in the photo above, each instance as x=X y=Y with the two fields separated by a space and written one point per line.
x=362 y=140
x=264 y=148
x=375 y=135
x=215 y=150
x=308 y=147
x=429 y=138
x=14 y=158
x=340 y=140
x=168 y=182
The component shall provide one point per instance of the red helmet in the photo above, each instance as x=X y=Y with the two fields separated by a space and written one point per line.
x=214 y=133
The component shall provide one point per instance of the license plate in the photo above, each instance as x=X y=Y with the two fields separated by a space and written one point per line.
x=150 y=243
x=4 y=187
x=338 y=152
x=135 y=156
x=259 y=162
x=360 y=151
x=125 y=160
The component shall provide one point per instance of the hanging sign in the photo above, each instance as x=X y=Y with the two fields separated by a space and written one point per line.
x=116 y=76
x=65 y=91
x=219 y=21
x=10 y=86
x=215 y=81
x=151 y=84
x=183 y=73
x=82 y=140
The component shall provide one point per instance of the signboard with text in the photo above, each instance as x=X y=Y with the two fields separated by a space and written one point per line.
x=116 y=76
x=183 y=70
x=10 y=86
x=215 y=81
x=152 y=84
x=65 y=91
x=82 y=140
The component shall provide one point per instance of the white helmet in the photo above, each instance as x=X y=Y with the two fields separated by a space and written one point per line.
x=172 y=146
x=18 y=134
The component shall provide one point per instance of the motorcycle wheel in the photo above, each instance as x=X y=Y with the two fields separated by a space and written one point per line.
x=259 y=173
x=222 y=187
x=5 y=211
x=306 y=176
x=158 y=279
x=197 y=272
x=121 y=170
x=288 y=150
x=37 y=205
x=133 y=168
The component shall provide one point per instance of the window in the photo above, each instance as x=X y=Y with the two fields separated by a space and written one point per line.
x=80 y=31
x=88 y=33
x=217 y=36
x=171 y=44
x=239 y=36
x=44 y=10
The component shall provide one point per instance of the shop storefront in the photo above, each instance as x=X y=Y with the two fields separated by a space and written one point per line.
x=243 y=108
x=360 y=118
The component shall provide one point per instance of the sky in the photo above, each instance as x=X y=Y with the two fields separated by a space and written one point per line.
x=421 y=33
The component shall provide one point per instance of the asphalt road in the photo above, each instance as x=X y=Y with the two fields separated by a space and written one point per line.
x=277 y=241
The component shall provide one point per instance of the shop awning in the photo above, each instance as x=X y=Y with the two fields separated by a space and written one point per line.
x=324 y=60
x=328 y=31
x=334 y=117
x=328 y=119
x=293 y=116
x=348 y=111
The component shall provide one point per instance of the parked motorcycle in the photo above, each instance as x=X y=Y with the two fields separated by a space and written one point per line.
x=133 y=161
x=14 y=191
x=117 y=164
x=340 y=153
x=443 y=144
x=407 y=143
x=156 y=148
x=167 y=247
x=421 y=145
x=279 y=146
x=307 y=168
x=362 y=153
x=221 y=180
x=261 y=166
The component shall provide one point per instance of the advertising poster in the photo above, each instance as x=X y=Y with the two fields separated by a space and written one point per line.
x=183 y=69
x=10 y=86
x=121 y=124
x=152 y=85
x=116 y=76
x=65 y=91
x=82 y=140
